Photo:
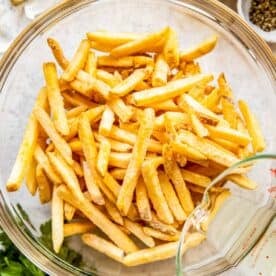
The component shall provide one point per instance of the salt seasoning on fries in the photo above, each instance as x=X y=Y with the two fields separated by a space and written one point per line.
x=126 y=142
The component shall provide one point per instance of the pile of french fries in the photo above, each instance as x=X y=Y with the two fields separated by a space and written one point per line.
x=127 y=137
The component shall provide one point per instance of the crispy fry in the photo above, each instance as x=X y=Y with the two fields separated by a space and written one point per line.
x=171 y=197
x=100 y=220
x=78 y=61
x=78 y=227
x=112 y=184
x=195 y=178
x=173 y=172
x=103 y=246
x=161 y=252
x=119 y=159
x=106 y=121
x=123 y=111
x=134 y=167
x=57 y=220
x=103 y=156
x=159 y=235
x=124 y=62
x=44 y=185
x=179 y=119
x=142 y=200
x=224 y=89
x=201 y=49
x=227 y=144
x=31 y=177
x=69 y=211
x=211 y=100
x=160 y=226
x=168 y=105
x=60 y=144
x=253 y=127
x=76 y=99
x=106 y=77
x=145 y=43
x=169 y=91
x=118 y=173
x=113 y=212
x=229 y=113
x=242 y=181
x=91 y=64
x=58 y=53
x=160 y=72
x=76 y=111
x=137 y=230
x=171 y=49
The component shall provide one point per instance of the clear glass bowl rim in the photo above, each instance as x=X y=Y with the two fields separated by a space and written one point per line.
x=216 y=10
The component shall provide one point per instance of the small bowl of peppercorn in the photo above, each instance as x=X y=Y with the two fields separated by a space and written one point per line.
x=261 y=16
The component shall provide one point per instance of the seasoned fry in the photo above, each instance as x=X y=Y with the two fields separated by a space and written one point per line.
x=142 y=200
x=138 y=156
x=169 y=91
x=31 y=177
x=171 y=49
x=160 y=72
x=103 y=246
x=201 y=49
x=78 y=61
x=195 y=178
x=171 y=197
x=44 y=185
x=60 y=144
x=159 y=235
x=91 y=64
x=103 y=156
x=75 y=228
x=57 y=220
x=123 y=111
x=113 y=212
x=253 y=127
x=58 y=53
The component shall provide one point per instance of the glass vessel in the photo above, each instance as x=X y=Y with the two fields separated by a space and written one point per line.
x=244 y=58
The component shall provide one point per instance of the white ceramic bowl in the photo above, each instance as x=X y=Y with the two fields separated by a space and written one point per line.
x=243 y=7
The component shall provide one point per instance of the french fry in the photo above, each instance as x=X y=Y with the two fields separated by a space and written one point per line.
x=105 y=190
x=171 y=49
x=195 y=178
x=124 y=62
x=155 y=192
x=31 y=177
x=145 y=43
x=119 y=159
x=44 y=185
x=168 y=105
x=103 y=246
x=58 y=53
x=103 y=156
x=169 y=91
x=57 y=220
x=66 y=172
x=112 y=184
x=91 y=64
x=118 y=173
x=78 y=61
x=224 y=89
x=76 y=111
x=76 y=99
x=92 y=185
x=115 y=145
x=159 y=235
x=113 y=212
x=160 y=72
x=106 y=77
x=76 y=228
x=201 y=49
x=69 y=211
x=42 y=159
x=171 y=197
x=138 y=156
x=123 y=111
x=128 y=84
x=107 y=121
x=141 y=86
x=179 y=119
x=219 y=200
x=227 y=144
x=253 y=127
x=161 y=252
x=197 y=126
x=211 y=100
x=229 y=113
x=60 y=144
x=243 y=181
x=160 y=226
x=142 y=200
x=100 y=220
x=137 y=230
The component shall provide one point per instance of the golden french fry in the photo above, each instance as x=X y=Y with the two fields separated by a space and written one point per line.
x=103 y=246
x=171 y=197
x=119 y=159
x=179 y=120
x=99 y=219
x=141 y=86
x=91 y=64
x=161 y=252
x=168 y=105
x=160 y=235
x=57 y=220
x=66 y=173
x=253 y=127
x=224 y=89
x=145 y=43
x=171 y=49
x=78 y=227
x=113 y=212
x=229 y=145
x=169 y=91
x=75 y=99
x=137 y=230
x=155 y=192
x=142 y=200
x=160 y=73
x=128 y=84
x=58 y=53
x=173 y=172
x=211 y=100
x=243 y=181
x=160 y=226
x=201 y=49
x=60 y=144
x=138 y=156
x=44 y=185
x=112 y=184
x=69 y=211
x=123 y=111
x=195 y=178
x=107 y=121
x=107 y=77
x=31 y=177
x=42 y=159
x=118 y=173
x=76 y=111
x=103 y=156
x=124 y=62
x=219 y=200
x=229 y=113
x=78 y=61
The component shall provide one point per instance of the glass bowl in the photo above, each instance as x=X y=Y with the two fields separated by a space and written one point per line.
x=241 y=54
